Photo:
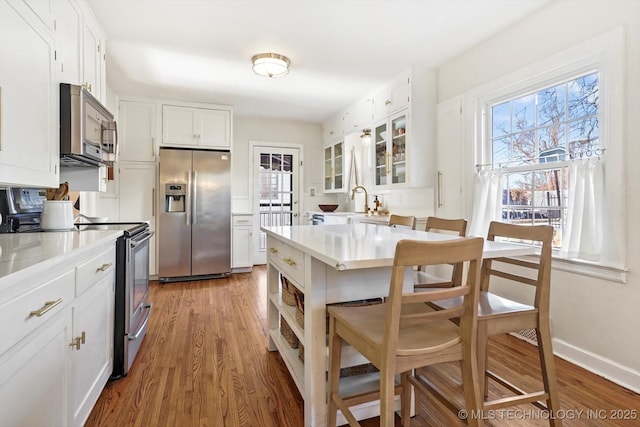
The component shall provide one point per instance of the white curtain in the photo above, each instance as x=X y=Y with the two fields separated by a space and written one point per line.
x=583 y=238
x=486 y=202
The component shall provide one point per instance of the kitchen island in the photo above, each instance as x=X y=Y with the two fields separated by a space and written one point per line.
x=332 y=264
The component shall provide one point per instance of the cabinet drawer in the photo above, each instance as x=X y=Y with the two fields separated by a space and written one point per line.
x=288 y=259
x=92 y=271
x=242 y=219
x=25 y=313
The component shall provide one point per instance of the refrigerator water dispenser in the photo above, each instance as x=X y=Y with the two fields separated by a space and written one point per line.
x=175 y=197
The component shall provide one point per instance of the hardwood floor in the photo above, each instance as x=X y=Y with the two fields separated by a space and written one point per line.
x=204 y=362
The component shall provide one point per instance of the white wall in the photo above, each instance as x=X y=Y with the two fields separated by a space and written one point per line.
x=595 y=322
x=246 y=129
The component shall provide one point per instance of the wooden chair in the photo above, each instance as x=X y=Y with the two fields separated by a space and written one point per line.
x=424 y=279
x=499 y=315
x=403 y=334
x=404 y=221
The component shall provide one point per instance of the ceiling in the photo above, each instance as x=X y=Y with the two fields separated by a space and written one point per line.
x=340 y=50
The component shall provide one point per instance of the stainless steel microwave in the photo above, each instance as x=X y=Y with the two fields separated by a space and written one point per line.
x=88 y=131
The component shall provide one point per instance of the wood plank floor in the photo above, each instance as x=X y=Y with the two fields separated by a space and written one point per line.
x=204 y=362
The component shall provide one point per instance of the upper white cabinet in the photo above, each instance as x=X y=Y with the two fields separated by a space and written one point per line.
x=393 y=99
x=390 y=150
x=93 y=57
x=334 y=162
x=332 y=129
x=137 y=131
x=196 y=127
x=29 y=149
x=403 y=141
x=358 y=116
x=68 y=33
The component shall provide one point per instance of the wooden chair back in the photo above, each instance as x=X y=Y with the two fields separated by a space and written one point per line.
x=410 y=253
x=405 y=221
x=538 y=234
x=447 y=226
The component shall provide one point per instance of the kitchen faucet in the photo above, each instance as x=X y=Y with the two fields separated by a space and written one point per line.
x=366 y=197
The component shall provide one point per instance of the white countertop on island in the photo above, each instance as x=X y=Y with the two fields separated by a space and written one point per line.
x=353 y=246
x=23 y=254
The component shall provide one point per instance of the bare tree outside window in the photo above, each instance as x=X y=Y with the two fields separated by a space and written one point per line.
x=533 y=136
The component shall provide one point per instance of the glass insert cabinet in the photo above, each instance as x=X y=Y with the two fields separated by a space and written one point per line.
x=390 y=151
x=334 y=167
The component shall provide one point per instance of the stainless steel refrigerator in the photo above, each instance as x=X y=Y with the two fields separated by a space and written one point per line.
x=194 y=205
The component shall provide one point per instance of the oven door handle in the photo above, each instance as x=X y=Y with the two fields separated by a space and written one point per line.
x=138 y=241
x=144 y=323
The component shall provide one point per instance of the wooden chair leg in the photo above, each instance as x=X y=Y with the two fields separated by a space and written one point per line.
x=387 y=397
x=471 y=388
x=405 y=411
x=482 y=354
x=548 y=369
x=335 y=356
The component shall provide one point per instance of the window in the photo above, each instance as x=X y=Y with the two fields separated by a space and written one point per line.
x=533 y=136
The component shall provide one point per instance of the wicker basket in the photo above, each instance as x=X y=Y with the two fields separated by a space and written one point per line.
x=300 y=308
x=287 y=333
x=288 y=291
x=301 y=352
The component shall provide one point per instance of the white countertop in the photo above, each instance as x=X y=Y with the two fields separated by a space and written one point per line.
x=353 y=246
x=23 y=254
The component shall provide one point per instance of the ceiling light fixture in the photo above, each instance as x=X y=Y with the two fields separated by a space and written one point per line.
x=366 y=136
x=270 y=64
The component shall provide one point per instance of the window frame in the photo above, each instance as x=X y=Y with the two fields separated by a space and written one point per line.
x=604 y=53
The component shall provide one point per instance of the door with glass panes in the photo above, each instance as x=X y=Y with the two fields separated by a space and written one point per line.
x=333 y=167
x=276 y=192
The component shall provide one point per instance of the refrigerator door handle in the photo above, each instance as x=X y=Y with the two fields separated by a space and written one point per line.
x=188 y=201
x=194 y=208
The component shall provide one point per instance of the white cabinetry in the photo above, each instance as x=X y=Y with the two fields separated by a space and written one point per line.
x=450 y=137
x=196 y=127
x=334 y=177
x=29 y=151
x=404 y=141
x=136 y=198
x=93 y=57
x=57 y=339
x=137 y=131
x=92 y=337
x=68 y=31
x=241 y=256
x=357 y=117
x=392 y=99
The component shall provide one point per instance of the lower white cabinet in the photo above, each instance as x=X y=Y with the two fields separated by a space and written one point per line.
x=34 y=376
x=53 y=371
x=241 y=255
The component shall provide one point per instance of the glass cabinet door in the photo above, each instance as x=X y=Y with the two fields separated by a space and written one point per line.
x=337 y=166
x=328 y=169
x=380 y=141
x=398 y=148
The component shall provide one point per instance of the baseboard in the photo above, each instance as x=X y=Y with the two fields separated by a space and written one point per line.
x=606 y=368
x=241 y=270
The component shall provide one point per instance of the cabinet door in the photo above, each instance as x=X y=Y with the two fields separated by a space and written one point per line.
x=178 y=125
x=137 y=193
x=39 y=370
x=29 y=151
x=241 y=255
x=398 y=149
x=90 y=60
x=449 y=194
x=137 y=131
x=338 y=166
x=213 y=128
x=68 y=30
x=92 y=361
x=381 y=161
